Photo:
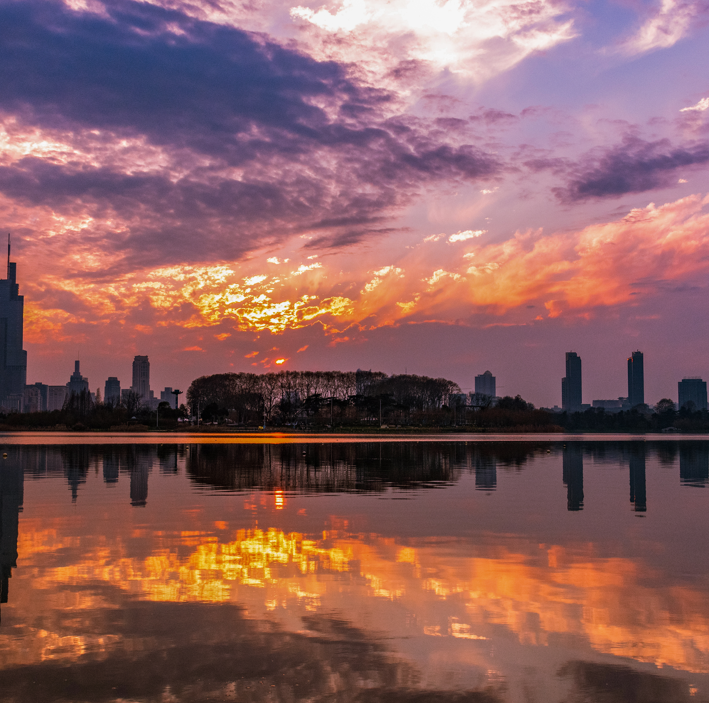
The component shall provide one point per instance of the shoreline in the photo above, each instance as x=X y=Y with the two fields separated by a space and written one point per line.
x=202 y=437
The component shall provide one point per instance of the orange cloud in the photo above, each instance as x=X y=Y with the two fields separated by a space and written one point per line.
x=567 y=273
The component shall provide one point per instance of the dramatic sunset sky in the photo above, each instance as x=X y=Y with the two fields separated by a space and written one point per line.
x=437 y=186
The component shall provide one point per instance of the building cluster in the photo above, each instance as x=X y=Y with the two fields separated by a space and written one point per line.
x=690 y=390
x=39 y=397
x=17 y=396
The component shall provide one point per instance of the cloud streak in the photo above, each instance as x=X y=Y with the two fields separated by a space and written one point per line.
x=635 y=166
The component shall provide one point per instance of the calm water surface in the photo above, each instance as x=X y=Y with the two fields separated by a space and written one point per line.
x=396 y=571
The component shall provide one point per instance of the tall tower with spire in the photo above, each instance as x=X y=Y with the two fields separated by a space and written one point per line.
x=13 y=358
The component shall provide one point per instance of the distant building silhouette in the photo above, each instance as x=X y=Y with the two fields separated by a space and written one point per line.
x=610 y=405
x=636 y=379
x=56 y=396
x=112 y=391
x=141 y=377
x=11 y=499
x=13 y=358
x=486 y=384
x=77 y=382
x=692 y=390
x=166 y=396
x=694 y=465
x=573 y=475
x=571 y=396
x=638 y=491
x=34 y=399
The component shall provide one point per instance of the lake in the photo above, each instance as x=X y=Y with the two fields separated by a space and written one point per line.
x=302 y=568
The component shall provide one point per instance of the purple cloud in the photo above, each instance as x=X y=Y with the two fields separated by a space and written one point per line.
x=314 y=148
x=635 y=166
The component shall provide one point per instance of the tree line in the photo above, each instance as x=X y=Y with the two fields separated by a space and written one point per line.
x=662 y=417
x=319 y=399
x=308 y=397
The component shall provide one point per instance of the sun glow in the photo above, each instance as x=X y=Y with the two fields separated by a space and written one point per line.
x=566 y=273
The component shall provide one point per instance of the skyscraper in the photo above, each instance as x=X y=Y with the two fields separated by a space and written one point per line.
x=13 y=358
x=571 y=396
x=693 y=390
x=112 y=391
x=77 y=383
x=636 y=379
x=141 y=377
x=486 y=384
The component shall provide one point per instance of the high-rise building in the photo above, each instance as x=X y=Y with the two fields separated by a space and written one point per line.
x=571 y=396
x=166 y=396
x=141 y=377
x=56 y=395
x=486 y=384
x=77 y=382
x=32 y=399
x=636 y=379
x=13 y=358
x=112 y=391
x=35 y=398
x=693 y=390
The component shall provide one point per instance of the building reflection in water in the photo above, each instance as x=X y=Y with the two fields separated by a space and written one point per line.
x=694 y=465
x=139 y=483
x=11 y=499
x=638 y=493
x=485 y=473
x=573 y=475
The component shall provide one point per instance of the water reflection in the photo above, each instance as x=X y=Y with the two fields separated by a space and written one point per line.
x=636 y=465
x=11 y=499
x=603 y=683
x=363 y=467
x=573 y=476
x=485 y=473
x=490 y=583
x=694 y=465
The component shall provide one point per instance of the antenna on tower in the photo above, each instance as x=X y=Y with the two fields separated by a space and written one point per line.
x=8 y=255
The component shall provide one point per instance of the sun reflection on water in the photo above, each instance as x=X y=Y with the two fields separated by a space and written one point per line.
x=616 y=605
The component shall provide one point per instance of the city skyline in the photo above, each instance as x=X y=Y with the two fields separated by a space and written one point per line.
x=41 y=396
x=383 y=188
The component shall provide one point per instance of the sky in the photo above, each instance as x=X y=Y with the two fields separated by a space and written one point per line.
x=436 y=187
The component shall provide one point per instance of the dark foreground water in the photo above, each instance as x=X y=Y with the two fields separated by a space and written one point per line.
x=407 y=571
